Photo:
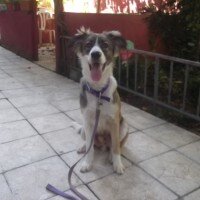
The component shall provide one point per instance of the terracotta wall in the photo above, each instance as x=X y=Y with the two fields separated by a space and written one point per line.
x=18 y=33
x=132 y=27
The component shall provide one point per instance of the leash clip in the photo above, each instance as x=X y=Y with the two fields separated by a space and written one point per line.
x=99 y=102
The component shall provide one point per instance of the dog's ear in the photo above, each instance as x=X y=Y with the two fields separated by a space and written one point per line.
x=118 y=41
x=77 y=41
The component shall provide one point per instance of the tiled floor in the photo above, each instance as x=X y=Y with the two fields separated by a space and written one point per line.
x=37 y=144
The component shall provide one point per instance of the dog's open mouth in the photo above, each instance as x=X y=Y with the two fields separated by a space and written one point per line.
x=96 y=71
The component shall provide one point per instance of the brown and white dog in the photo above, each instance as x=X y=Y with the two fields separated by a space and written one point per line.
x=96 y=52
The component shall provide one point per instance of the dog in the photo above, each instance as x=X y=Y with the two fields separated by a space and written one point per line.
x=96 y=53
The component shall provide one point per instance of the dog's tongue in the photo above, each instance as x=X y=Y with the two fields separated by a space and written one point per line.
x=95 y=73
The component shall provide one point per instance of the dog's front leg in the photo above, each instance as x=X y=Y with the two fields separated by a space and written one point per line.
x=87 y=162
x=116 y=150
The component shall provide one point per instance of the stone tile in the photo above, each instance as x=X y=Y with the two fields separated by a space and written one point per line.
x=1 y=96
x=82 y=189
x=9 y=65
x=17 y=92
x=193 y=196
x=38 y=110
x=52 y=122
x=45 y=89
x=52 y=170
x=10 y=83
x=134 y=184
x=171 y=135
x=5 y=193
x=15 y=130
x=101 y=165
x=140 y=147
x=5 y=104
x=27 y=100
x=67 y=104
x=126 y=108
x=174 y=170
x=64 y=141
x=3 y=75
x=21 y=152
x=25 y=77
x=66 y=91
x=10 y=115
x=61 y=96
x=76 y=115
x=3 y=61
x=12 y=71
x=36 y=81
x=131 y=129
x=192 y=151
x=142 y=120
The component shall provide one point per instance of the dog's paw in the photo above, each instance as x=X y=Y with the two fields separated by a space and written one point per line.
x=117 y=164
x=77 y=127
x=110 y=158
x=119 y=168
x=82 y=149
x=86 y=167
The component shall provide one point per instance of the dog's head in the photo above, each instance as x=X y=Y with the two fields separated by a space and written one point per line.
x=96 y=52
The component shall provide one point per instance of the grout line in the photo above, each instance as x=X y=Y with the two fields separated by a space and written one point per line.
x=157 y=180
x=172 y=148
x=190 y=192
x=187 y=144
x=23 y=138
x=7 y=183
x=191 y=159
x=21 y=166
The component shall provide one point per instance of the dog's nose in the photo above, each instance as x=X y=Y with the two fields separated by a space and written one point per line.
x=96 y=54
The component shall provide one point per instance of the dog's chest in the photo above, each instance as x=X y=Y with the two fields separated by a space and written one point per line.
x=108 y=109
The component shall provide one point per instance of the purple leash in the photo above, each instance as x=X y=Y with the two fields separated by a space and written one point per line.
x=72 y=187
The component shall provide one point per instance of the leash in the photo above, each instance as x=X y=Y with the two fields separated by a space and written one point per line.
x=72 y=187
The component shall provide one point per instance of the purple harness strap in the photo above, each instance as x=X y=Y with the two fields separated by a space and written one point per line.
x=72 y=187
x=97 y=93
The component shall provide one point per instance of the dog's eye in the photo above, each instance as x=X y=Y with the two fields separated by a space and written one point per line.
x=105 y=45
x=89 y=45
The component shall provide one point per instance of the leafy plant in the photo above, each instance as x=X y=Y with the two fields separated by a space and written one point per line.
x=177 y=23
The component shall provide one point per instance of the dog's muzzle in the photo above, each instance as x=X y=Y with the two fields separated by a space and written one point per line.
x=96 y=67
x=96 y=55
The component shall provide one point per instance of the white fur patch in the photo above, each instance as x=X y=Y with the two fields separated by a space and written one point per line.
x=115 y=33
x=83 y=30
x=117 y=164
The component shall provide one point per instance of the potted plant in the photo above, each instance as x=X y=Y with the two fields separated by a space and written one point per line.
x=3 y=6
x=10 y=5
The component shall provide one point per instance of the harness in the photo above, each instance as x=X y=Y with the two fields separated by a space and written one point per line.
x=100 y=97
x=97 y=93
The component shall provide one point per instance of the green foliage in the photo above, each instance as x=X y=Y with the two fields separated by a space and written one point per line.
x=177 y=23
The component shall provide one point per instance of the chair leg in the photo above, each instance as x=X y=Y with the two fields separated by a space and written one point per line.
x=40 y=37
